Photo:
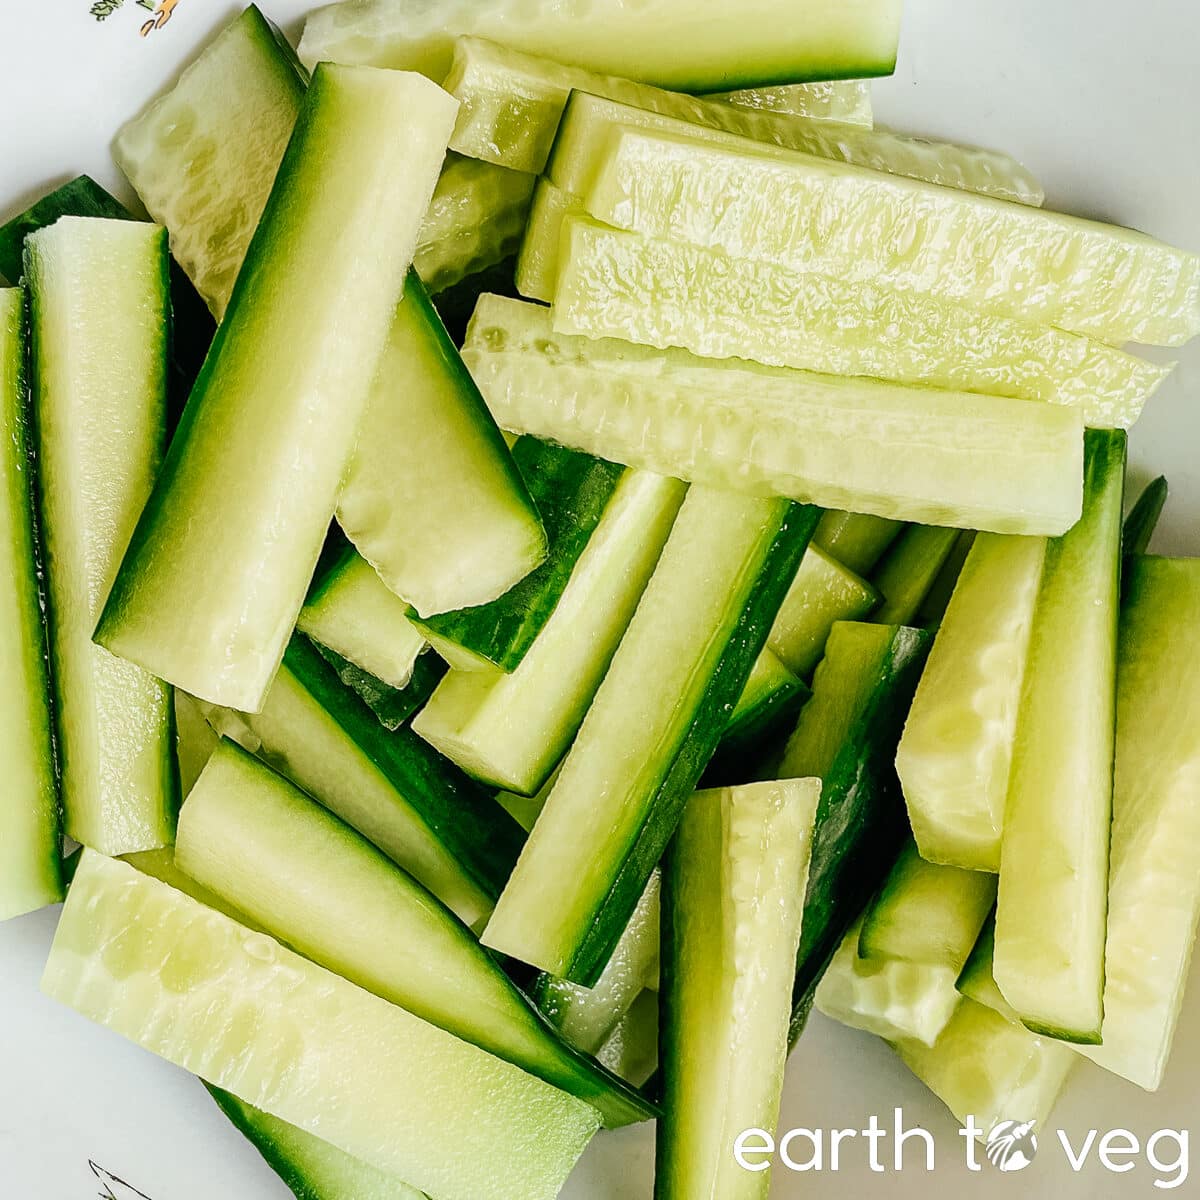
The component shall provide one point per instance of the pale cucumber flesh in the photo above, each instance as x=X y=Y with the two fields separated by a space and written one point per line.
x=841 y=101
x=857 y=540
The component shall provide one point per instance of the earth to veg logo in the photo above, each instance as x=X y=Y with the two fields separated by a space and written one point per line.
x=1011 y=1145
x=160 y=11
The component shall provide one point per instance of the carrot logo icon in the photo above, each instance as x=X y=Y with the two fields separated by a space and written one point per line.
x=1011 y=1146
x=162 y=14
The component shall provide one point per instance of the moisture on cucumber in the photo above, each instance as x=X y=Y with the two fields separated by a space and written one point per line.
x=840 y=101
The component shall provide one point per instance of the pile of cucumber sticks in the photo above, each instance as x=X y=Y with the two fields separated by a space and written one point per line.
x=518 y=582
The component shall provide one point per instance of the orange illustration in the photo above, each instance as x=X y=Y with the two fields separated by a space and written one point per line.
x=162 y=14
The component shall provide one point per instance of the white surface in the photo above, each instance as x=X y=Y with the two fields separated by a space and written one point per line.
x=1102 y=100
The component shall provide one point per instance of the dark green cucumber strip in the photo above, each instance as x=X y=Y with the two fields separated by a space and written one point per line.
x=571 y=491
x=393 y=788
x=908 y=571
x=937 y=599
x=1141 y=522
x=392 y=706
x=736 y=556
x=313 y=1169
x=192 y=325
x=847 y=736
x=30 y=823
x=254 y=839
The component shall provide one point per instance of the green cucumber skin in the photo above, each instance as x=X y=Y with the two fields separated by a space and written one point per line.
x=746 y=744
x=393 y=707
x=192 y=324
x=463 y=815
x=861 y=821
x=1139 y=526
x=908 y=572
x=781 y=563
x=570 y=490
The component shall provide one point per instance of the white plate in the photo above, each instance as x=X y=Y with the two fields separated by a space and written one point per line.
x=1101 y=99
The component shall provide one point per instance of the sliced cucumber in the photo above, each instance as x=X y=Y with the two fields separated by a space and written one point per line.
x=392 y=707
x=632 y=1048
x=433 y=499
x=846 y=737
x=272 y=422
x=977 y=981
x=733 y=888
x=351 y=612
x=248 y=835
x=650 y=731
x=823 y=593
x=100 y=322
x=511 y=730
x=857 y=540
x=840 y=101
x=571 y=491
x=1050 y=916
x=943 y=458
x=588 y=1017
x=811 y=213
x=1140 y=524
x=908 y=571
x=590 y=123
x=537 y=264
x=250 y=1016
x=195 y=741
x=423 y=813
x=985 y=1067
x=30 y=832
x=312 y=1168
x=926 y=913
x=671 y=43
x=766 y=711
x=616 y=284
x=937 y=598
x=890 y=998
x=1154 y=887
x=956 y=753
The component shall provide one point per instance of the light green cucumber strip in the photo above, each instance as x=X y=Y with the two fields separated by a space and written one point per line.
x=273 y=420
x=632 y=1048
x=511 y=729
x=525 y=810
x=100 y=324
x=892 y=999
x=771 y=683
x=30 y=832
x=588 y=1017
x=432 y=499
x=823 y=593
x=512 y=105
x=311 y=881
x=590 y=121
x=195 y=740
x=956 y=751
x=250 y=1016
x=926 y=913
x=842 y=101
x=985 y=1066
x=733 y=898
x=933 y=608
x=312 y=1168
x=941 y=458
x=908 y=571
x=537 y=263
x=856 y=540
x=863 y=226
x=668 y=42
x=616 y=284
x=352 y=613
x=1154 y=887
x=1054 y=852
x=977 y=981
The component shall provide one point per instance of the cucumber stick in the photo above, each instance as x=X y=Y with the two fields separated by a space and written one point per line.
x=312 y=1168
x=616 y=284
x=351 y=612
x=890 y=998
x=392 y=707
x=668 y=42
x=766 y=709
x=977 y=981
x=424 y=814
x=810 y=213
x=650 y=731
x=511 y=729
x=846 y=736
x=250 y=1016
x=432 y=498
x=986 y=1067
x=1139 y=526
x=541 y=249
x=908 y=571
x=926 y=913
x=100 y=322
x=1154 y=894
x=942 y=458
x=856 y=540
x=300 y=874
x=272 y=422
x=571 y=492
x=632 y=1048
x=955 y=755
x=1050 y=916
x=30 y=834
x=839 y=101
x=733 y=888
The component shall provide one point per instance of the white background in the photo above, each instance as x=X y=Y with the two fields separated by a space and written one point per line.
x=1101 y=98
